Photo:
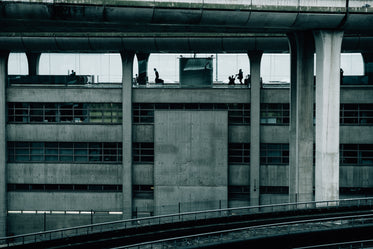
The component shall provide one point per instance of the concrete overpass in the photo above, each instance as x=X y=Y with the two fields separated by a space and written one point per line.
x=178 y=26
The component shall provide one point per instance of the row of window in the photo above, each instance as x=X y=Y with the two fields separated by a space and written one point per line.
x=243 y=192
x=139 y=191
x=237 y=113
x=278 y=154
x=279 y=113
x=65 y=113
x=65 y=187
x=356 y=154
x=81 y=152
x=350 y=114
x=361 y=114
x=147 y=191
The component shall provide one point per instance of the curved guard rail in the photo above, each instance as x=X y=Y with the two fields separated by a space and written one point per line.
x=178 y=217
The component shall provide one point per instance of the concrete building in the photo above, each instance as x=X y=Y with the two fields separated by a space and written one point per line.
x=75 y=152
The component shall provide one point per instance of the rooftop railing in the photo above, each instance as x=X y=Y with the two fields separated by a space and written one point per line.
x=178 y=217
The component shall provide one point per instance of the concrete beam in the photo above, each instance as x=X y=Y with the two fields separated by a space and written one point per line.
x=3 y=137
x=255 y=59
x=127 y=72
x=328 y=56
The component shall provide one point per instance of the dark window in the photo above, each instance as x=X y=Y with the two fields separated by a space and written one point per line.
x=274 y=154
x=356 y=154
x=239 y=114
x=356 y=114
x=64 y=152
x=239 y=153
x=143 y=152
x=241 y=193
x=65 y=112
x=143 y=191
x=274 y=114
x=274 y=190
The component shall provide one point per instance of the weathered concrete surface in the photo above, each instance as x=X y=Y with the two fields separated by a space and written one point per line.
x=64 y=133
x=255 y=59
x=64 y=173
x=62 y=94
x=176 y=95
x=127 y=72
x=33 y=63
x=190 y=165
x=61 y=201
x=29 y=223
x=301 y=127
x=3 y=140
x=328 y=61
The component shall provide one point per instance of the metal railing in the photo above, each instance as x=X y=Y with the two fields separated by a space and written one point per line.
x=252 y=232
x=177 y=217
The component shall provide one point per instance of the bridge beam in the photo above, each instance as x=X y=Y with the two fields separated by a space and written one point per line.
x=127 y=72
x=301 y=120
x=255 y=59
x=3 y=143
x=328 y=61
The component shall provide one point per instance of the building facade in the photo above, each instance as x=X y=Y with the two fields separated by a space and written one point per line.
x=191 y=149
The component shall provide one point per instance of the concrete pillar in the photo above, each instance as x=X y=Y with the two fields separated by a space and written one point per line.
x=301 y=120
x=255 y=59
x=328 y=61
x=142 y=59
x=127 y=71
x=368 y=66
x=3 y=151
x=33 y=63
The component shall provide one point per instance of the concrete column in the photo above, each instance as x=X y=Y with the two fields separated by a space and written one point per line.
x=301 y=111
x=33 y=63
x=255 y=59
x=142 y=59
x=328 y=61
x=127 y=71
x=3 y=151
x=368 y=66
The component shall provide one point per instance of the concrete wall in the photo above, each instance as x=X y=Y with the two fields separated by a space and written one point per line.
x=62 y=173
x=353 y=176
x=239 y=175
x=64 y=132
x=28 y=223
x=274 y=175
x=143 y=133
x=190 y=158
x=62 y=94
x=143 y=174
x=61 y=201
x=177 y=95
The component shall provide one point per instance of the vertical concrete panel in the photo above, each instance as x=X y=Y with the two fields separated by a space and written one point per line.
x=255 y=59
x=3 y=110
x=328 y=56
x=301 y=131
x=191 y=164
x=292 y=125
x=127 y=68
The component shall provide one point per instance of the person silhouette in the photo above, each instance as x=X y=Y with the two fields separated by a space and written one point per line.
x=240 y=75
